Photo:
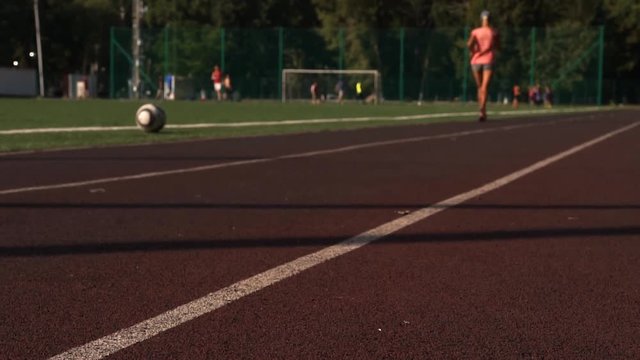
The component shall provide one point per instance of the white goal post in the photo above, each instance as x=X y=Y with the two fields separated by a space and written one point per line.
x=371 y=89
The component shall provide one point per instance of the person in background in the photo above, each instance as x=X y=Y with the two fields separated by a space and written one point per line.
x=340 y=91
x=538 y=96
x=533 y=94
x=548 y=97
x=483 y=43
x=228 y=89
x=359 y=91
x=315 y=99
x=160 y=91
x=216 y=77
x=516 y=96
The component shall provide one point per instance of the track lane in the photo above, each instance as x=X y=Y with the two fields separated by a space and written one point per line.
x=64 y=166
x=543 y=268
x=339 y=207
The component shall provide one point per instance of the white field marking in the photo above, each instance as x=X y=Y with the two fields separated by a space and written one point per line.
x=290 y=122
x=67 y=130
x=272 y=159
x=376 y=118
x=144 y=330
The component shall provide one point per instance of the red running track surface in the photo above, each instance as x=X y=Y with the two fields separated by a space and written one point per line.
x=544 y=267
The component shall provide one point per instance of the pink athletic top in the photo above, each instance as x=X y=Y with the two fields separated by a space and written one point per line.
x=484 y=49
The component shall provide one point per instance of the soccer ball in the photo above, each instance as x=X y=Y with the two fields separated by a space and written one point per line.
x=150 y=118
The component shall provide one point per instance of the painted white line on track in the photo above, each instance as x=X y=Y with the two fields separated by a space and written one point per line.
x=290 y=122
x=127 y=337
x=266 y=160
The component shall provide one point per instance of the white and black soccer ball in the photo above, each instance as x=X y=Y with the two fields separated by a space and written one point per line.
x=150 y=118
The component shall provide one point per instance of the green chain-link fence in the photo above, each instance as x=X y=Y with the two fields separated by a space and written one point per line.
x=416 y=64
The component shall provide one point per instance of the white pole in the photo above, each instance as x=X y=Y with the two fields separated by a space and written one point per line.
x=284 y=85
x=39 y=45
x=135 y=43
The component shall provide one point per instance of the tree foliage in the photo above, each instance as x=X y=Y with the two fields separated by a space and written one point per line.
x=76 y=32
x=624 y=33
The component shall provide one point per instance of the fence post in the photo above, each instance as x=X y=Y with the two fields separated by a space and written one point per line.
x=165 y=40
x=532 y=69
x=341 y=49
x=600 y=64
x=401 y=75
x=280 y=57
x=111 y=64
x=222 y=50
x=174 y=52
x=465 y=75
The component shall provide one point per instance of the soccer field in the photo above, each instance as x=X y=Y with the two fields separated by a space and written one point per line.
x=24 y=122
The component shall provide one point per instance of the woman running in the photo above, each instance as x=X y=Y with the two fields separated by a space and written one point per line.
x=482 y=44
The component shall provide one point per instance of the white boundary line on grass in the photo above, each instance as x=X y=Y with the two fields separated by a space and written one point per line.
x=144 y=330
x=291 y=122
x=271 y=159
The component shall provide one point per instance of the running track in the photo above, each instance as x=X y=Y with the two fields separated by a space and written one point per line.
x=543 y=264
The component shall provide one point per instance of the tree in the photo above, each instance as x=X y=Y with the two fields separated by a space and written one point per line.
x=622 y=20
x=17 y=27
x=76 y=32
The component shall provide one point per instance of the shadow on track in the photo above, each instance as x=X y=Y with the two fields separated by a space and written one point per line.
x=127 y=158
x=214 y=206
x=204 y=244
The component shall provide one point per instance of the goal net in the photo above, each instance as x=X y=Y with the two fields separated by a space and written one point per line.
x=331 y=85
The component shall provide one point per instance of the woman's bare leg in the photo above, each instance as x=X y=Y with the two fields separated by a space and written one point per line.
x=477 y=76
x=483 y=89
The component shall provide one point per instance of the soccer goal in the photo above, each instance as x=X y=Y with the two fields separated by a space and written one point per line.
x=331 y=85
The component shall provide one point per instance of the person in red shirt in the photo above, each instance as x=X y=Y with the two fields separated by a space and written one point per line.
x=483 y=44
x=216 y=77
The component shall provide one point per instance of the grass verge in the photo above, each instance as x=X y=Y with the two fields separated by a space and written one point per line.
x=56 y=113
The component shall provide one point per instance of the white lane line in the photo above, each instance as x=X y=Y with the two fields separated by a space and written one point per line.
x=291 y=122
x=381 y=118
x=144 y=330
x=266 y=160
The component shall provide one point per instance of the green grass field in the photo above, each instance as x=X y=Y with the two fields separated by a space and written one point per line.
x=56 y=113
